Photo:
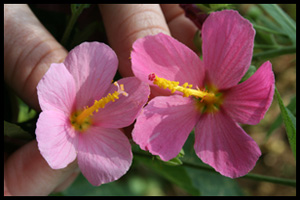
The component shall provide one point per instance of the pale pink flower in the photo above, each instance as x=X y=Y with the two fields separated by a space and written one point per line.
x=214 y=103
x=68 y=90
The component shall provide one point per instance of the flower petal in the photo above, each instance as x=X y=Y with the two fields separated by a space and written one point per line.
x=248 y=102
x=164 y=125
x=124 y=110
x=224 y=145
x=93 y=66
x=227 y=47
x=56 y=90
x=104 y=155
x=56 y=139
x=167 y=58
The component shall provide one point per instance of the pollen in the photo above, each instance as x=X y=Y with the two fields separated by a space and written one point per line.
x=206 y=100
x=82 y=120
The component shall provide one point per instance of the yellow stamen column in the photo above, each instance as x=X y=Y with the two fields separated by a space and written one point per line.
x=82 y=121
x=208 y=100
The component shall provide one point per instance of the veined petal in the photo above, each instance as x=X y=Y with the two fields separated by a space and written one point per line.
x=93 y=66
x=56 y=90
x=56 y=138
x=248 y=102
x=164 y=125
x=227 y=47
x=124 y=110
x=104 y=155
x=224 y=145
x=167 y=58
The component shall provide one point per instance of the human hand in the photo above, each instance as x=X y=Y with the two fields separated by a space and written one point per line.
x=29 y=49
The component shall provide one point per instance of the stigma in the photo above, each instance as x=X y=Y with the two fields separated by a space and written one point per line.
x=206 y=100
x=82 y=120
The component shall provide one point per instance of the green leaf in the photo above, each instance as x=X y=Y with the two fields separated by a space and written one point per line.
x=274 y=52
x=278 y=121
x=15 y=131
x=288 y=25
x=289 y=121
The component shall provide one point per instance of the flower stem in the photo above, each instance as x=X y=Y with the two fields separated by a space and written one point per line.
x=257 y=177
x=71 y=23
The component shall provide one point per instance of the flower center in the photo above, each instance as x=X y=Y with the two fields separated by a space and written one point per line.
x=81 y=120
x=206 y=100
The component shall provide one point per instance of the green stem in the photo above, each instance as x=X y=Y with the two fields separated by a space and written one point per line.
x=257 y=177
x=71 y=23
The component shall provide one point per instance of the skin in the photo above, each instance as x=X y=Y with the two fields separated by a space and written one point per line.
x=29 y=49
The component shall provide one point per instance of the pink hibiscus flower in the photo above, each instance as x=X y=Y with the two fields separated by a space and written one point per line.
x=206 y=94
x=82 y=112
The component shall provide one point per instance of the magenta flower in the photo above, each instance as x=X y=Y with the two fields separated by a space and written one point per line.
x=82 y=112
x=206 y=94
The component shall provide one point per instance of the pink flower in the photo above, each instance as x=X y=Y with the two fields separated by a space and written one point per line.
x=206 y=96
x=73 y=124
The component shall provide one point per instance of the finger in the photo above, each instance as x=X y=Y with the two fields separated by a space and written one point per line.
x=180 y=26
x=29 y=49
x=27 y=173
x=127 y=22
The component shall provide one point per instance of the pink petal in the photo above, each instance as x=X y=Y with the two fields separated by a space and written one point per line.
x=227 y=47
x=167 y=58
x=56 y=90
x=224 y=145
x=248 y=102
x=104 y=155
x=56 y=138
x=124 y=110
x=93 y=66
x=164 y=125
